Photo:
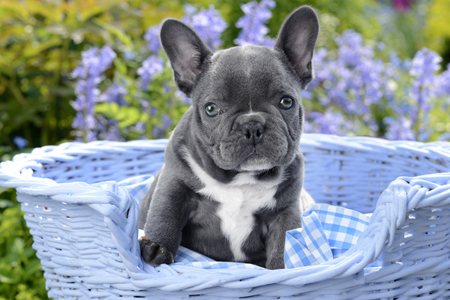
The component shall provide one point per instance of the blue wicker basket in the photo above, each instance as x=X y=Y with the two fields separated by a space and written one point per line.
x=85 y=226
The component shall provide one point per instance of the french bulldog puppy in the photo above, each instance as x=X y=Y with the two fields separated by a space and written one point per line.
x=231 y=184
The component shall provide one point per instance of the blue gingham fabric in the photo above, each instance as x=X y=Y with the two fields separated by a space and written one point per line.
x=327 y=232
x=137 y=186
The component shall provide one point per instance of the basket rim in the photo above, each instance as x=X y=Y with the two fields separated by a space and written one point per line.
x=11 y=175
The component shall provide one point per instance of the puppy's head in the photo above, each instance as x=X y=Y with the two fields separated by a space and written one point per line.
x=248 y=114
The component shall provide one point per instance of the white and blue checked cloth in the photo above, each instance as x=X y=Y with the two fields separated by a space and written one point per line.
x=327 y=232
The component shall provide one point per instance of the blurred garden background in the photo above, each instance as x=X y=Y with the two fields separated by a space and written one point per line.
x=91 y=69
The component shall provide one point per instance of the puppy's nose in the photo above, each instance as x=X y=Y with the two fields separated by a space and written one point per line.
x=253 y=132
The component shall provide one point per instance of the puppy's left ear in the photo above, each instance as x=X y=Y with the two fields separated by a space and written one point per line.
x=297 y=38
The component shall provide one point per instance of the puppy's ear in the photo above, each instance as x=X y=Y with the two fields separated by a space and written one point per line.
x=297 y=38
x=186 y=51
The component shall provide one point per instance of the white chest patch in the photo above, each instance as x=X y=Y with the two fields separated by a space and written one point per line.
x=239 y=200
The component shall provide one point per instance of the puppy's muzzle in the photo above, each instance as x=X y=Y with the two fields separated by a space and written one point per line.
x=252 y=127
x=253 y=132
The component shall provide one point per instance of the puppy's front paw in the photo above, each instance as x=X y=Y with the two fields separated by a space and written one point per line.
x=275 y=264
x=153 y=253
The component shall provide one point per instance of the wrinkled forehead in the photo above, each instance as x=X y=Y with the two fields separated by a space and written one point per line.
x=248 y=70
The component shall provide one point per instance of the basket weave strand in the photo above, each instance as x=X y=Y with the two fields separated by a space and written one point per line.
x=85 y=232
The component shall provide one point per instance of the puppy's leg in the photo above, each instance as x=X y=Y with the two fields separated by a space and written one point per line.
x=145 y=203
x=167 y=215
x=285 y=220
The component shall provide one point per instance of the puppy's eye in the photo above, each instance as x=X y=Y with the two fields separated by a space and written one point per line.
x=286 y=103
x=212 y=110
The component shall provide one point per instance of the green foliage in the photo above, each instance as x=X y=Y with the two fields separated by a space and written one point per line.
x=437 y=31
x=40 y=44
x=439 y=117
x=126 y=116
x=19 y=266
x=21 y=275
x=404 y=32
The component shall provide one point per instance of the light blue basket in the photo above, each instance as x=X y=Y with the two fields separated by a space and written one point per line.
x=85 y=226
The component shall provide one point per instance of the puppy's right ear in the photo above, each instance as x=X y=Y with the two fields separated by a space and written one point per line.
x=297 y=38
x=186 y=51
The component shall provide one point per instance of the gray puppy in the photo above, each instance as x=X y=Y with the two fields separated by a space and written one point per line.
x=231 y=185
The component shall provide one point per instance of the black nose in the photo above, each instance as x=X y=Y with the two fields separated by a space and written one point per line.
x=253 y=132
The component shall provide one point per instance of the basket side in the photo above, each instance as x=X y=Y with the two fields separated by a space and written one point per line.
x=416 y=259
x=354 y=171
x=75 y=244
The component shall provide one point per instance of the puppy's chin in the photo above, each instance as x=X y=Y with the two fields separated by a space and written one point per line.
x=255 y=162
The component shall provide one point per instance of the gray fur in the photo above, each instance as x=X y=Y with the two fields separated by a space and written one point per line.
x=252 y=135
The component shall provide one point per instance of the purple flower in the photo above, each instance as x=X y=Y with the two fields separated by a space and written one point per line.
x=151 y=66
x=89 y=73
x=108 y=129
x=159 y=131
x=144 y=104
x=180 y=95
x=113 y=133
x=115 y=93
x=153 y=111
x=307 y=94
x=208 y=23
x=442 y=87
x=399 y=129
x=424 y=66
x=398 y=63
x=152 y=38
x=252 y=24
x=444 y=137
x=20 y=142
x=330 y=122
x=351 y=49
x=128 y=55
x=140 y=126
x=166 y=122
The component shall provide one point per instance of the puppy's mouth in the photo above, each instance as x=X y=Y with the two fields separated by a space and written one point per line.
x=255 y=162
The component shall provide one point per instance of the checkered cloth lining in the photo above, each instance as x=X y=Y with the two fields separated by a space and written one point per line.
x=328 y=232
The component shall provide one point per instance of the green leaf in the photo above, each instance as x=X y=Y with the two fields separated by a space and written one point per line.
x=95 y=9
x=5 y=203
x=120 y=65
x=125 y=115
x=18 y=246
x=116 y=32
x=108 y=109
x=31 y=51
x=4 y=279
x=5 y=149
x=32 y=267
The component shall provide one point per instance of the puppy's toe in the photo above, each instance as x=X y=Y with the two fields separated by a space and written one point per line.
x=154 y=254
x=148 y=249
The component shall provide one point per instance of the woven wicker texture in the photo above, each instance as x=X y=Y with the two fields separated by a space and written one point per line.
x=85 y=233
